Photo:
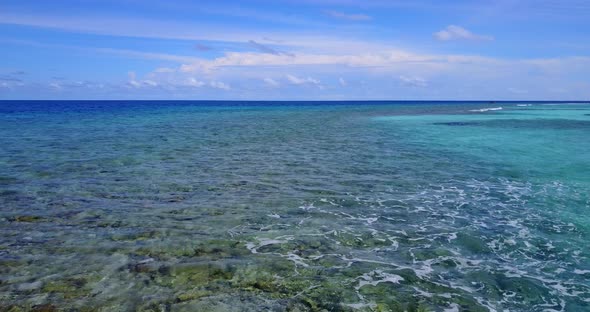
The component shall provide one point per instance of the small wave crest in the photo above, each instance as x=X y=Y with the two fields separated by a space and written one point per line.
x=483 y=110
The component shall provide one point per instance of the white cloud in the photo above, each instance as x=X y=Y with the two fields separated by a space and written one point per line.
x=134 y=83
x=150 y=83
x=453 y=32
x=166 y=80
x=8 y=82
x=302 y=81
x=413 y=81
x=465 y=76
x=295 y=80
x=132 y=80
x=192 y=82
x=55 y=86
x=393 y=58
x=349 y=17
x=219 y=85
x=271 y=82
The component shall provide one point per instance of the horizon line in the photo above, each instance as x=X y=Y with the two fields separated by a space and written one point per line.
x=352 y=100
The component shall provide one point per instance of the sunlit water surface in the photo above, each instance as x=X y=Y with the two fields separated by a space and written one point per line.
x=213 y=206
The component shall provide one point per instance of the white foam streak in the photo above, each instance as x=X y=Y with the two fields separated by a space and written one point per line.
x=376 y=277
x=483 y=110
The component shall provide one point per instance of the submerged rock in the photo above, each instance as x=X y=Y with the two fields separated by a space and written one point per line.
x=44 y=308
x=26 y=219
x=526 y=291
x=207 y=250
x=193 y=294
x=472 y=243
x=145 y=235
x=69 y=288
x=195 y=275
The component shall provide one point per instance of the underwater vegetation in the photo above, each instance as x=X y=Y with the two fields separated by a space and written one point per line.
x=429 y=207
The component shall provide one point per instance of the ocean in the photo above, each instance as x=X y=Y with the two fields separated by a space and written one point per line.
x=294 y=206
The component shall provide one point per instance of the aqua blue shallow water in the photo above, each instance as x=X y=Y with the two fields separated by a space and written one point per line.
x=229 y=206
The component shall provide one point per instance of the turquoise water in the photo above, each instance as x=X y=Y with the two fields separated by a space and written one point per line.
x=216 y=206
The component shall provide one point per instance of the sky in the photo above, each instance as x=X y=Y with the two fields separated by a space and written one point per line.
x=295 y=49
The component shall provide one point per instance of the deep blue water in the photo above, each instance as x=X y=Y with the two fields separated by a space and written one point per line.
x=294 y=206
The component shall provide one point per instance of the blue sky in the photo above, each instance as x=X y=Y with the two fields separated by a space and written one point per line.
x=295 y=49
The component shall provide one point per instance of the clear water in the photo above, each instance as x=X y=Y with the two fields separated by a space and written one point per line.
x=214 y=206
